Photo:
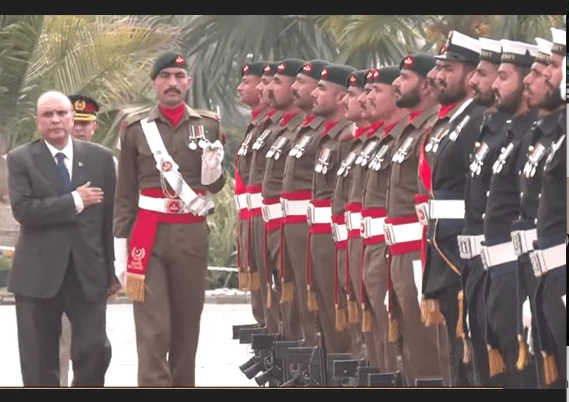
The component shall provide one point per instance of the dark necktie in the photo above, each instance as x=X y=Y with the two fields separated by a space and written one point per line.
x=63 y=172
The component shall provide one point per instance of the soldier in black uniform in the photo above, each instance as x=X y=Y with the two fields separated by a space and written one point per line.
x=483 y=155
x=502 y=209
x=446 y=205
x=533 y=152
x=549 y=259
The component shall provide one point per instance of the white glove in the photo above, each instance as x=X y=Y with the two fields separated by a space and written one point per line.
x=211 y=162
x=526 y=314
x=201 y=205
x=121 y=257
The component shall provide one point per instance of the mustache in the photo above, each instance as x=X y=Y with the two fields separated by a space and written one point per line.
x=175 y=90
x=271 y=95
x=295 y=94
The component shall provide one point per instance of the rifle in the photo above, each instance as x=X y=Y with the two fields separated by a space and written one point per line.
x=307 y=366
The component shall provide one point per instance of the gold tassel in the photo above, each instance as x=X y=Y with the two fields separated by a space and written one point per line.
x=311 y=303
x=496 y=361
x=254 y=281
x=135 y=287
x=393 y=335
x=550 y=368
x=269 y=296
x=340 y=318
x=287 y=292
x=523 y=360
x=243 y=280
x=425 y=319
x=460 y=322
x=366 y=320
x=435 y=315
x=466 y=350
x=353 y=316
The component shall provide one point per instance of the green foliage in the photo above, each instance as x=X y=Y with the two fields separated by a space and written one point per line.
x=5 y=262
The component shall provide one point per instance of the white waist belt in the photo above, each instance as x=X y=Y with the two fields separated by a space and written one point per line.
x=498 y=254
x=547 y=260
x=446 y=209
x=372 y=227
x=422 y=210
x=339 y=232
x=523 y=240
x=317 y=215
x=294 y=207
x=241 y=201
x=402 y=233
x=254 y=201
x=163 y=205
x=353 y=220
x=271 y=212
x=470 y=246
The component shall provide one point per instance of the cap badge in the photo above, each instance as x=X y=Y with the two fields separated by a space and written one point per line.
x=307 y=68
x=79 y=105
x=352 y=79
x=246 y=68
x=281 y=67
x=376 y=74
x=179 y=60
x=408 y=61
x=324 y=73
x=267 y=68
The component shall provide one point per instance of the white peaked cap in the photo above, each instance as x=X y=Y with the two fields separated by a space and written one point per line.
x=544 y=46
x=519 y=48
x=490 y=45
x=559 y=36
x=465 y=41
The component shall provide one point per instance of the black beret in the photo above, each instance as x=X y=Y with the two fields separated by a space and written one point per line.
x=255 y=68
x=313 y=68
x=167 y=60
x=357 y=79
x=289 y=67
x=420 y=63
x=336 y=73
x=270 y=68
x=85 y=108
x=386 y=75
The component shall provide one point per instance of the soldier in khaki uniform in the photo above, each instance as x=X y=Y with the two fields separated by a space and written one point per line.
x=483 y=155
x=402 y=230
x=283 y=99
x=444 y=211
x=363 y=148
x=333 y=147
x=249 y=95
x=342 y=286
x=257 y=149
x=169 y=160
x=295 y=195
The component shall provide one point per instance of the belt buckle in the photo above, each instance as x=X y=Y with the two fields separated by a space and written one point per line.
x=517 y=242
x=389 y=234
x=172 y=206
x=310 y=214
x=464 y=247
x=284 y=206
x=485 y=257
x=265 y=213
x=237 y=206
x=422 y=213
x=364 y=227
x=347 y=220
x=536 y=263
x=335 y=234
x=248 y=201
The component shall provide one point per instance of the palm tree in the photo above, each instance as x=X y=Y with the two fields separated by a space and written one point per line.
x=103 y=56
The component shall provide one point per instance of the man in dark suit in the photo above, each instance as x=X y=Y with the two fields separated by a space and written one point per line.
x=61 y=192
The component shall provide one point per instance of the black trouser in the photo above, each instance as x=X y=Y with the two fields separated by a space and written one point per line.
x=460 y=373
x=39 y=328
x=502 y=309
x=551 y=307
x=473 y=279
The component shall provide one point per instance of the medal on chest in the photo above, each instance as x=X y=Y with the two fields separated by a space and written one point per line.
x=323 y=161
x=366 y=152
x=276 y=150
x=197 y=137
x=499 y=164
x=478 y=161
x=244 y=148
x=347 y=164
x=403 y=150
x=554 y=147
x=378 y=158
x=455 y=133
x=433 y=144
x=261 y=140
x=535 y=155
x=299 y=148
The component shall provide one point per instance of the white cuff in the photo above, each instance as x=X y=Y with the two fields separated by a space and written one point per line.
x=121 y=256
x=526 y=314
x=79 y=206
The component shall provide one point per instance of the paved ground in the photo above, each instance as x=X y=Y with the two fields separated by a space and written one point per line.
x=218 y=355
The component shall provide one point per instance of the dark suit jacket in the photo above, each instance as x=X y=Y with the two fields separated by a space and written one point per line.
x=51 y=232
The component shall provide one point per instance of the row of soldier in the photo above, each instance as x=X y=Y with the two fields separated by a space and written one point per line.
x=413 y=215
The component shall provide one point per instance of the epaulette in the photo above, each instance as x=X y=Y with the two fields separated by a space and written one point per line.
x=133 y=118
x=346 y=137
x=209 y=114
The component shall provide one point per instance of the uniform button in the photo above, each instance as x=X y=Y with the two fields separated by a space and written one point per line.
x=519 y=173
x=535 y=221
x=539 y=195
x=483 y=215
x=487 y=193
x=521 y=195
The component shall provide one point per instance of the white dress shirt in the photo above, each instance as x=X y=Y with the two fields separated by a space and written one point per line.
x=68 y=162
